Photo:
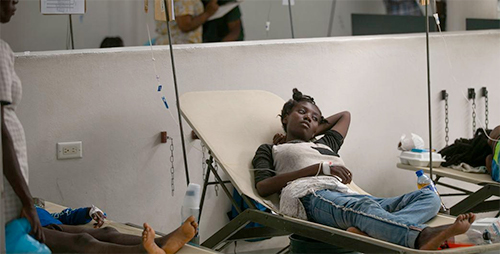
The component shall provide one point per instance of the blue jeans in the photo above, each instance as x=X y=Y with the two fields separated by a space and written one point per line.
x=397 y=220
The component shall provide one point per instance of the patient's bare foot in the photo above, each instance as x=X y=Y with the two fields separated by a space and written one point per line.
x=175 y=241
x=181 y=236
x=432 y=237
x=356 y=231
x=148 y=240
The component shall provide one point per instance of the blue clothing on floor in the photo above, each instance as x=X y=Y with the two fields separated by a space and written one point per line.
x=18 y=240
x=398 y=220
x=68 y=216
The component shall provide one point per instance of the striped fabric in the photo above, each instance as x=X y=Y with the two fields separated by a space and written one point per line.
x=10 y=96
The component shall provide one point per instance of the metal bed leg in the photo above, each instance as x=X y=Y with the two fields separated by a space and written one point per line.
x=204 y=192
x=227 y=231
x=206 y=183
x=284 y=250
x=475 y=199
x=224 y=188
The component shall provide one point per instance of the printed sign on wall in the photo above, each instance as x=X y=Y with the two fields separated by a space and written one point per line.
x=63 y=6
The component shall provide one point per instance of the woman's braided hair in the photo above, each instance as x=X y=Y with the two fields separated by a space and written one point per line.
x=290 y=104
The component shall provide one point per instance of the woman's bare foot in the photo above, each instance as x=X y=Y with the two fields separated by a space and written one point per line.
x=175 y=241
x=431 y=238
x=356 y=231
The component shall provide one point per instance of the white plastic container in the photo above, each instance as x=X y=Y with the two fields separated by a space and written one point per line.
x=420 y=159
x=493 y=224
x=191 y=204
x=191 y=207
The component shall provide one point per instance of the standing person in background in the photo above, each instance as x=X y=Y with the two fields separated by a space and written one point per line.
x=18 y=199
x=189 y=18
x=19 y=202
x=227 y=28
x=403 y=7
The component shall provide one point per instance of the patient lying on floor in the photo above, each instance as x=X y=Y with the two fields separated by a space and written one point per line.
x=65 y=233
x=313 y=182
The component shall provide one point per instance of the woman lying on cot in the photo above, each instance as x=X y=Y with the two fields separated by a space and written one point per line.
x=492 y=164
x=312 y=180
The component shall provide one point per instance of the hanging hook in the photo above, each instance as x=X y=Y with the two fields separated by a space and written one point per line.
x=444 y=95
x=471 y=93
x=164 y=137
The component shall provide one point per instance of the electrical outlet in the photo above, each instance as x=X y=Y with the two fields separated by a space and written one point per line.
x=69 y=150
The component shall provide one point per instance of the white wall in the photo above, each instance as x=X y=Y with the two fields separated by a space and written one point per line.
x=459 y=10
x=31 y=31
x=108 y=100
x=310 y=18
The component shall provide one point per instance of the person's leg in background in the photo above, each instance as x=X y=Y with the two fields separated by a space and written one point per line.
x=63 y=242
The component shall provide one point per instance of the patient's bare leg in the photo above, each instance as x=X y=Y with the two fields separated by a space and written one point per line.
x=489 y=162
x=432 y=237
x=111 y=235
x=177 y=239
x=64 y=242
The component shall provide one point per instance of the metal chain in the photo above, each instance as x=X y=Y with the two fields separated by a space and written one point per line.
x=203 y=160
x=486 y=109
x=446 y=121
x=473 y=117
x=216 y=187
x=172 y=179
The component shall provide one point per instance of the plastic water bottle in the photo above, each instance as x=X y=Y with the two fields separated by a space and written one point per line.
x=423 y=181
x=191 y=206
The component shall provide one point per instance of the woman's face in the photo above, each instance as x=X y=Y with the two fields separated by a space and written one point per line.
x=7 y=9
x=302 y=122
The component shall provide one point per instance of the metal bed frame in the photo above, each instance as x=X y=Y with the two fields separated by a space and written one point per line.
x=201 y=110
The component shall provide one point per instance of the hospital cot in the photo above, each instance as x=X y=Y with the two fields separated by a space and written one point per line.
x=131 y=230
x=476 y=201
x=232 y=124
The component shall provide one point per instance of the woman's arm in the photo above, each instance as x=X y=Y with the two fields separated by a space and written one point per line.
x=12 y=171
x=234 y=31
x=274 y=184
x=339 y=122
x=188 y=23
x=489 y=162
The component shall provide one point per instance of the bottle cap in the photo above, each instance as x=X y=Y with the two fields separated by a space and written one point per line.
x=420 y=172
x=486 y=235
